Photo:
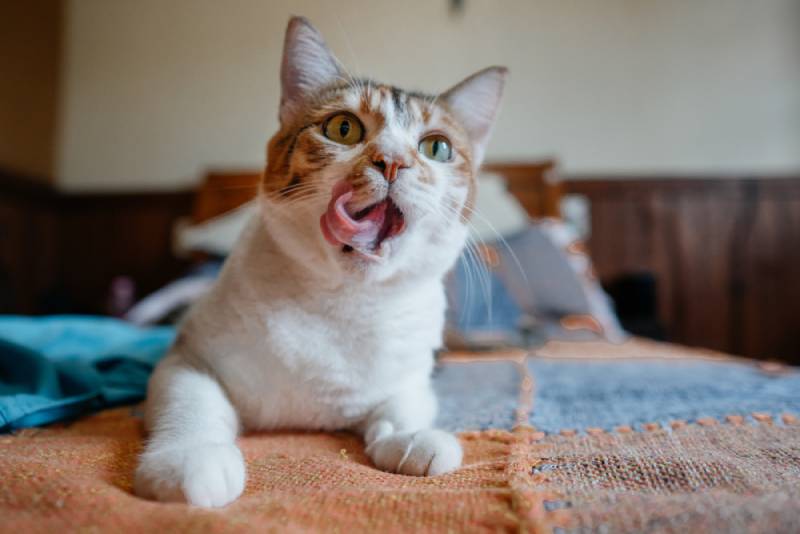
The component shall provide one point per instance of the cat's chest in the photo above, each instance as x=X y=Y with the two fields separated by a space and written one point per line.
x=309 y=361
x=356 y=340
x=323 y=371
x=328 y=364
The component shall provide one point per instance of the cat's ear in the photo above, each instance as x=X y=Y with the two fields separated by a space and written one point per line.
x=475 y=102
x=307 y=65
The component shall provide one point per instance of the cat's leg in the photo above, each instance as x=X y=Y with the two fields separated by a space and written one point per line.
x=400 y=439
x=191 y=455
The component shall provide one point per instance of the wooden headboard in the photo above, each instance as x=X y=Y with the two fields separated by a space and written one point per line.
x=535 y=184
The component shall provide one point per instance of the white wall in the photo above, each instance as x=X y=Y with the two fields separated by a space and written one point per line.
x=156 y=91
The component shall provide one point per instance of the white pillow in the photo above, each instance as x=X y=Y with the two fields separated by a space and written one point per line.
x=216 y=235
x=497 y=212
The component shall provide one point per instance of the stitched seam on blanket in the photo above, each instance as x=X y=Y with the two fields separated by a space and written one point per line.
x=527 y=388
x=519 y=460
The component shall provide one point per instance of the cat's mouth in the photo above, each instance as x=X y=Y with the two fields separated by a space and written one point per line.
x=364 y=231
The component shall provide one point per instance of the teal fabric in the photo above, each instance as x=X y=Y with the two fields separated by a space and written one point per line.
x=60 y=367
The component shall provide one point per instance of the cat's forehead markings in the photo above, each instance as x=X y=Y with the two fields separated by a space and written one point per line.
x=387 y=106
x=386 y=103
x=422 y=108
x=374 y=99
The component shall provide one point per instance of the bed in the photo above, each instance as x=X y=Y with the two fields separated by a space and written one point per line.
x=565 y=436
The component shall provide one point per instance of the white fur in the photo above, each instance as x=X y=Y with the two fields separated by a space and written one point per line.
x=298 y=334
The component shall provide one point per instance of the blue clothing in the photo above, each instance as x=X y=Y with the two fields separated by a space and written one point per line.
x=57 y=368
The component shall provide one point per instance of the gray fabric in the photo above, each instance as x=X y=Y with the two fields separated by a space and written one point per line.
x=549 y=286
x=577 y=394
x=581 y=394
x=477 y=395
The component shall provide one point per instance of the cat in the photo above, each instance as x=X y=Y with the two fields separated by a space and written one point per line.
x=328 y=311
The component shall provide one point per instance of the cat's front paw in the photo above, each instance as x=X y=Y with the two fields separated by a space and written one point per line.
x=423 y=453
x=208 y=475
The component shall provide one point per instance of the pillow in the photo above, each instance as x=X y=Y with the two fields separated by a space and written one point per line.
x=498 y=212
x=539 y=275
x=215 y=236
x=601 y=307
x=536 y=289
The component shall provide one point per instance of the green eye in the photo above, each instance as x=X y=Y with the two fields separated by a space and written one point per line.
x=436 y=147
x=343 y=128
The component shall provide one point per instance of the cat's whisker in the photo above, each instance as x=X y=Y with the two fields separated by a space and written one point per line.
x=303 y=195
x=474 y=262
x=475 y=266
x=503 y=241
x=301 y=186
x=286 y=204
x=469 y=273
x=479 y=271
x=294 y=196
x=484 y=276
x=475 y=244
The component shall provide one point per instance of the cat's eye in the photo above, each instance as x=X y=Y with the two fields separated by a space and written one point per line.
x=436 y=147
x=343 y=128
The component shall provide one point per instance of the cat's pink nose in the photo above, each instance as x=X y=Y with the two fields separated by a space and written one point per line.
x=390 y=165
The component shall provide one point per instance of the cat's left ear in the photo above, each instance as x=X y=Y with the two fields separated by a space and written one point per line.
x=308 y=65
x=475 y=102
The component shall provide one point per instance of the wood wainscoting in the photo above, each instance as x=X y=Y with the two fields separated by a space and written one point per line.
x=59 y=252
x=725 y=253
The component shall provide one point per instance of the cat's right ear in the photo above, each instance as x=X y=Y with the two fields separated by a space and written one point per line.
x=307 y=66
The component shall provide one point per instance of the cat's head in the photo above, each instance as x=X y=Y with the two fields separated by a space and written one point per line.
x=364 y=178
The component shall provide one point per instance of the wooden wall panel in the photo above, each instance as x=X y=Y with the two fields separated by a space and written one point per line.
x=59 y=252
x=104 y=236
x=725 y=253
x=28 y=244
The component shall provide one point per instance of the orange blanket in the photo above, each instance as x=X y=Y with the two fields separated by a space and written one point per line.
x=79 y=477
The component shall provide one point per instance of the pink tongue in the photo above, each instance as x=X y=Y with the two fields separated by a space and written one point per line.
x=340 y=228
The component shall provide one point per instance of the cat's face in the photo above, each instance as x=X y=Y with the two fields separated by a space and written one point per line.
x=366 y=178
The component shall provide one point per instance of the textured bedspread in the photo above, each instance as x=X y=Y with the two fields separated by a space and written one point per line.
x=578 y=437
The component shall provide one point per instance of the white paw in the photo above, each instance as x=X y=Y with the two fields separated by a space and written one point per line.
x=426 y=452
x=207 y=475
